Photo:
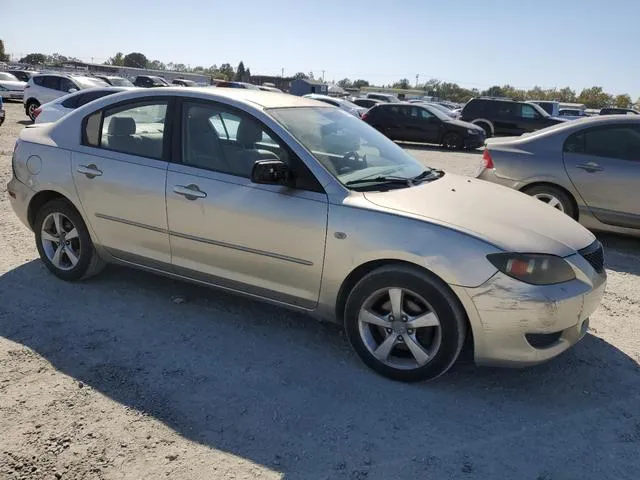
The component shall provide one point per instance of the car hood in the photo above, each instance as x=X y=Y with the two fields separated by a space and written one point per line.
x=13 y=85
x=461 y=124
x=506 y=218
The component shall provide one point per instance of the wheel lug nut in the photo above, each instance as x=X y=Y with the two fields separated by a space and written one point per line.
x=409 y=330
x=404 y=318
x=388 y=330
x=391 y=319
x=400 y=339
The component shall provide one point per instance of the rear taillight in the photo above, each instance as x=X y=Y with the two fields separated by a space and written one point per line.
x=486 y=159
x=364 y=116
x=37 y=112
x=26 y=86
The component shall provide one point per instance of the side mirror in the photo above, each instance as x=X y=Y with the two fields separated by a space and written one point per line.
x=71 y=90
x=271 y=172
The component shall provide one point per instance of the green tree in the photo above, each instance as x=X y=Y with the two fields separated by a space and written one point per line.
x=240 y=72
x=513 y=92
x=344 y=83
x=300 y=76
x=402 y=84
x=536 y=93
x=594 y=97
x=622 y=101
x=226 y=72
x=360 y=83
x=495 y=91
x=34 y=59
x=3 y=56
x=248 y=74
x=157 y=65
x=117 y=59
x=135 y=59
x=566 y=95
x=179 y=67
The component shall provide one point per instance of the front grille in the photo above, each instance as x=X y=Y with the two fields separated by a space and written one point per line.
x=594 y=254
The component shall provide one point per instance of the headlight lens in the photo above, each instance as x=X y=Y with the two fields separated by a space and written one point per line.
x=471 y=131
x=536 y=269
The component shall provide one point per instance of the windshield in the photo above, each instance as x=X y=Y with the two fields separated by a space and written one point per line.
x=539 y=109
x=86 y=82
x=120 y=82
x=8 y=77
x=438 y=111
x=348 y=147
x=159 y=81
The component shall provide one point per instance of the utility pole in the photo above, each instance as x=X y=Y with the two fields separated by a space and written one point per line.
x=417 y=77
x=323 y=75
x=282 y=74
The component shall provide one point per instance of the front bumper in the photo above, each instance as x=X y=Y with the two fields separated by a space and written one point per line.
x=517 y=324
x=19 y=196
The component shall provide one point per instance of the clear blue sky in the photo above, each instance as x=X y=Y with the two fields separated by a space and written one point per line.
x=476 y=43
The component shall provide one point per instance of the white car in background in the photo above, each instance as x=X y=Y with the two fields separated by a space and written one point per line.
x=346 y=105
x=52 y=111
x=10 y=87
x=46 y=87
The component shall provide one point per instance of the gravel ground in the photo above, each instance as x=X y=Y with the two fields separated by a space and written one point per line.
x=132 y=376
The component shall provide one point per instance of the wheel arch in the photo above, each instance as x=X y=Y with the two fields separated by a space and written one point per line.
x=488 y=122
x=42 y=198
x=570 y=195
x=359 y=272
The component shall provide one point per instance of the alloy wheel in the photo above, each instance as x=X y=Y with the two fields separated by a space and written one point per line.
x=550 y=200
x=60 y=241
x=399 y=328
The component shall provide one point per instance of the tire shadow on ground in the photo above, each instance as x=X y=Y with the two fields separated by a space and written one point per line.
x=286 y=392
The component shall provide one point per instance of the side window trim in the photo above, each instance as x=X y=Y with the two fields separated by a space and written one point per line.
x=177 y=137
x=168 y=130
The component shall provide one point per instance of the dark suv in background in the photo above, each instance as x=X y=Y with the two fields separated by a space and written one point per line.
x=412 y=122
x=506 y=117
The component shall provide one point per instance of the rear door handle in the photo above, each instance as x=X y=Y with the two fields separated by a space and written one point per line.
x=190 y=192
x=590 y=167
x=91 y=171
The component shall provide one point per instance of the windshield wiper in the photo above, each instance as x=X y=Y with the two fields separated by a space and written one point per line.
x=430 y=174
x=385 y=180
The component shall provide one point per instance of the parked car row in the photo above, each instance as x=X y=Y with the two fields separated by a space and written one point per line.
x=296 y=202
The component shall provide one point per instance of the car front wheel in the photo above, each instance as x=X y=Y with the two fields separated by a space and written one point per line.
x=32 y=105
x=405 y=324
x=64 y=243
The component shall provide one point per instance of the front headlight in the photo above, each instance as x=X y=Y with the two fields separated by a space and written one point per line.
x=472 y=132
x=536 y=269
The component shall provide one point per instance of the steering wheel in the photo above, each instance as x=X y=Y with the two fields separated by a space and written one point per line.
x=352 y=161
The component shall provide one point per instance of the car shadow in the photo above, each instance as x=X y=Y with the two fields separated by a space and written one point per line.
x=25 y=122
x=622 y=253
x=436 y=148
x=286 y=392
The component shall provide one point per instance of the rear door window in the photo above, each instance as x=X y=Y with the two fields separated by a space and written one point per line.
x=620 y=142
x=50 y=81
x=528 y=112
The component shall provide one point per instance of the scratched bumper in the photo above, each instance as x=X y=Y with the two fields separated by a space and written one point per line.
x=507 y=314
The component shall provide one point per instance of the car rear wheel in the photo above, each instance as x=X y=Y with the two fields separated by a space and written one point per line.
x=404 y=324
x=486 y=127
x=64 y=243
x=453 y=140
x=554 y=197
x=32 y=105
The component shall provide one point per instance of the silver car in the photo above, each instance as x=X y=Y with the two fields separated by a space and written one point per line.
x=292 y=201
x=588 y=169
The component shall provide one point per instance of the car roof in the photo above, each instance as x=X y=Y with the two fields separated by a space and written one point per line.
x=250 y=97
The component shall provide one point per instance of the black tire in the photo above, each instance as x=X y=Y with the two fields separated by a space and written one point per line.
x=440 y=298
x=453 y=140
x=542 y=191
x=89 y=262
x=486 y=127
x=31 y=106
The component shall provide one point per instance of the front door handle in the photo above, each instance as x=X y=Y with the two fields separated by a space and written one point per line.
x=91 y=171
x=190 y=192
x=590 y=167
